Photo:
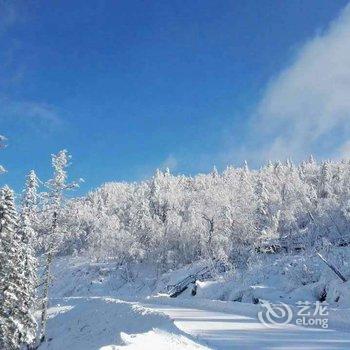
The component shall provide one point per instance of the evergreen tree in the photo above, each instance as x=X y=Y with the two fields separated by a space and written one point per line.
x=30 y=195
x=12 y=289
x=27 y=235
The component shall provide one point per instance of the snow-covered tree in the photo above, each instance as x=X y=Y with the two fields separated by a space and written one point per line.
x=173 y=220
x=27 y=236
x=13 y=308
x=30 y=195
x=57 y=186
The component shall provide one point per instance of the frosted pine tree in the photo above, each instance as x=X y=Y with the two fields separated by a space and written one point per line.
x=30 y=195
x=27 y=235
x=12 y=288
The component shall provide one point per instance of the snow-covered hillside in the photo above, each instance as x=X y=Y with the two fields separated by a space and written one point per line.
x=273 y=235
x=104 y=323
x=94 y=306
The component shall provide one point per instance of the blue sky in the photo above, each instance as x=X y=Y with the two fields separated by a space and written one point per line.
x=129 y=86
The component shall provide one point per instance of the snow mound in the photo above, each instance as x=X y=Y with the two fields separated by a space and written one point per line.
x=156 y=339
x=95 y=323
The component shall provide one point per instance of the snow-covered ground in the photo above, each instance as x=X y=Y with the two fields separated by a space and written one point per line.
x=106 y=323
x=96 y=306
x=242 y=329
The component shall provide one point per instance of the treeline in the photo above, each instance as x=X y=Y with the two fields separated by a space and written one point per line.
x=229 y=217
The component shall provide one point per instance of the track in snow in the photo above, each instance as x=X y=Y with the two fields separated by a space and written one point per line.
x=228 y=331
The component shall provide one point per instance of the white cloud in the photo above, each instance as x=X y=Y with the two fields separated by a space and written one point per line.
x=344 y=150
x=170 y=162
x=307 y=106
x=31 y=113
x=36 y=115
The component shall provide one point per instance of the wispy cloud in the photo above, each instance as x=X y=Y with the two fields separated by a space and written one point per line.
x=344 y=150
x=170 y=163
x=33 y=114
x=306 y=108
x=38 y=115
x=9 y=15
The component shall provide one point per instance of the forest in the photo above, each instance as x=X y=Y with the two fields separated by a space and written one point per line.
x=231 y=217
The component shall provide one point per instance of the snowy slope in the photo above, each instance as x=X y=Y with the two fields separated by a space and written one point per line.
x=105 y=323
x=241 y=328
x=109 y=324
x=93 y=306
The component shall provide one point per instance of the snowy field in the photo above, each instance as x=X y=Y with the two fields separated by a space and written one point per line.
x=242 y=329
x=93 y=308
x=106 y=323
